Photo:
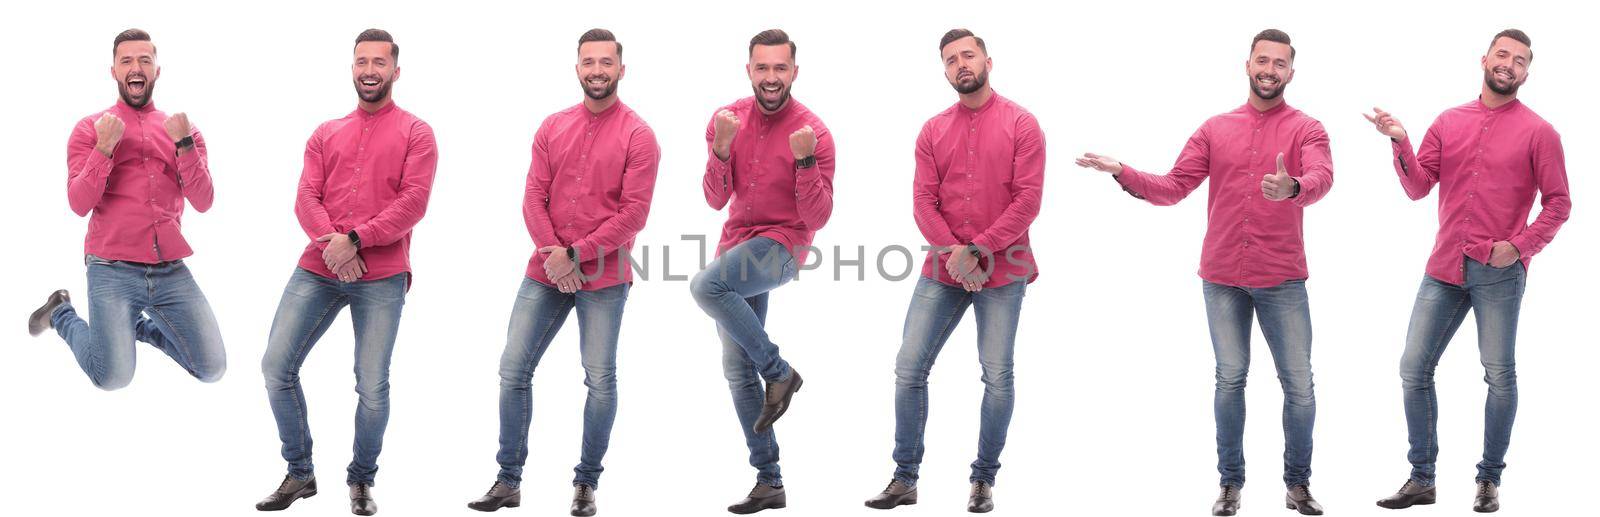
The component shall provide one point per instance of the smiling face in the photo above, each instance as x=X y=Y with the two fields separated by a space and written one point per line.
x=772 y=72
x=1505 y=67
x=599 y=69
x=966 y=65
x=1270 y=68
x=374 y=70
x=134 y=67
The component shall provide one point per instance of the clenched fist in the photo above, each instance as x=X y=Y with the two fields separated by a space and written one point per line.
x=107 y=132
x=1386 y=124
x=725 y=126
x=1278 y=186
x=178 y=128
x=803 y=142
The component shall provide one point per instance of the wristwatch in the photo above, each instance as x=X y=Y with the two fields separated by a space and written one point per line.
x=806 y=163
x=1296 y=188
x=355 y=240
x=572 y=253
x=187 y=141
x=974 y=250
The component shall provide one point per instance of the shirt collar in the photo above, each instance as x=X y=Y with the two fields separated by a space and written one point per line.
x=123 y=107
x=994 y=98
x=385 y=110
x=603 y=114
x=1503 y=107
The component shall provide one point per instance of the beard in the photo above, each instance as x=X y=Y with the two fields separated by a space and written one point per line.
x=1494 y=83
x=1264 y=93
x=783 y=98
x=971 y=84
x=141 y=99
x=377 y=95
x=602 y=93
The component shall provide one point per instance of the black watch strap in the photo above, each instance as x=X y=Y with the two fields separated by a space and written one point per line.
x=806 y=163
x=187 y=141
x=572 y=253
x=354 y=239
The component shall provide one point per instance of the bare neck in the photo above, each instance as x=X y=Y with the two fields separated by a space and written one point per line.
x=597 y=106
x=978 y=98
x=1493 y=99
x=373 y=107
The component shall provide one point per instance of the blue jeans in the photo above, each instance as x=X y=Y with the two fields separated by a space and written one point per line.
x=1495 y=297
x=535 y=319
x=159 y=304
x=1285 y=316
x=309 y=305
x=935 y=310
x=733 y=291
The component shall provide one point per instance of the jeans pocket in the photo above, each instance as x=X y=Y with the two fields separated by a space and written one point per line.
x=93 y=260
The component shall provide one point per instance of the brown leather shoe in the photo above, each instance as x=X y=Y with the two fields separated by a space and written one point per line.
x=896 y=494
x=287 y=493
x=762 y=497
x=1299 y=499
x=1227 y=501
x=1411 y=493
x=1488 y=499
x=361 y=502
x=500 y=495
x=982 y=499
x=583 y=500
x=778 y=395
x=39 y=321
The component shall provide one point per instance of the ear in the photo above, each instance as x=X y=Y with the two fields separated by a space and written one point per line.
x=750 y=71
x=396 y=76
x=157 y=74
x=988 y=63
x=621 y=71
x=795 y=75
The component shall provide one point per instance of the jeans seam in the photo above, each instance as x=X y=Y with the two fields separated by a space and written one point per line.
x=1436 y=351
x=303 y=349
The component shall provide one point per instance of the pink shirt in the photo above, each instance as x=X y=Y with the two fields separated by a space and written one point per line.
x=368 y=172
x=1488 y=164
x=589 y=188
x=1250 y=241
x=137 y=194
x=770 y=197
x=980 y=176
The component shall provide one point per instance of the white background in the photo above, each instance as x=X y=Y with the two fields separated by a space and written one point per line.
x=1114 y=365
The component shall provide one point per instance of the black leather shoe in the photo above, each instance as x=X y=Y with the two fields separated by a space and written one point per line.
x=39 y=321
x=287 y=493
x=982 y=499
x=1488 y=500
x=896 y=494
x=499 y=496
x=361 y=502
x=761 y=497
x=582 y=500
x=1299 y=499
x=778 y=395
x=1227 y=501
x=1411 y=493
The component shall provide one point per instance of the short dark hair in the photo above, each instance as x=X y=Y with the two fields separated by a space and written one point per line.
x=131 y=35
x=600 y=35
x=955 y=34
x=1516 y=35
x=773 y=37
x=380 y=35
x=1273 y=35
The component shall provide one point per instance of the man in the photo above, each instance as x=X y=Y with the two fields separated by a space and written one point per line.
x=133 y=166
x=773 y=159
x=364 y=186
x=979 y=179
x=1489 y=157
x=588 y=194
x=1253 y=258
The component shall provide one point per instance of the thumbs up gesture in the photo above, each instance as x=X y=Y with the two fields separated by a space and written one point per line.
x=1278 y=186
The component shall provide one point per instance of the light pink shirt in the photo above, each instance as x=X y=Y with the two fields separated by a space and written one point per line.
x=589 y=188
x=979 y=180
x=136 y=196
x=1488 y=164
x=770 y=197
x=1250 y=241
x=372 y=173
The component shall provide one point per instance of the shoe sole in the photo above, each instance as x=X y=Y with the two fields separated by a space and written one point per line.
x=507 y=504
x=39 y=315
x=1419 y=502
x=286 y=506
x=1292 y=506
x=902 y=502
x=775 y=505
